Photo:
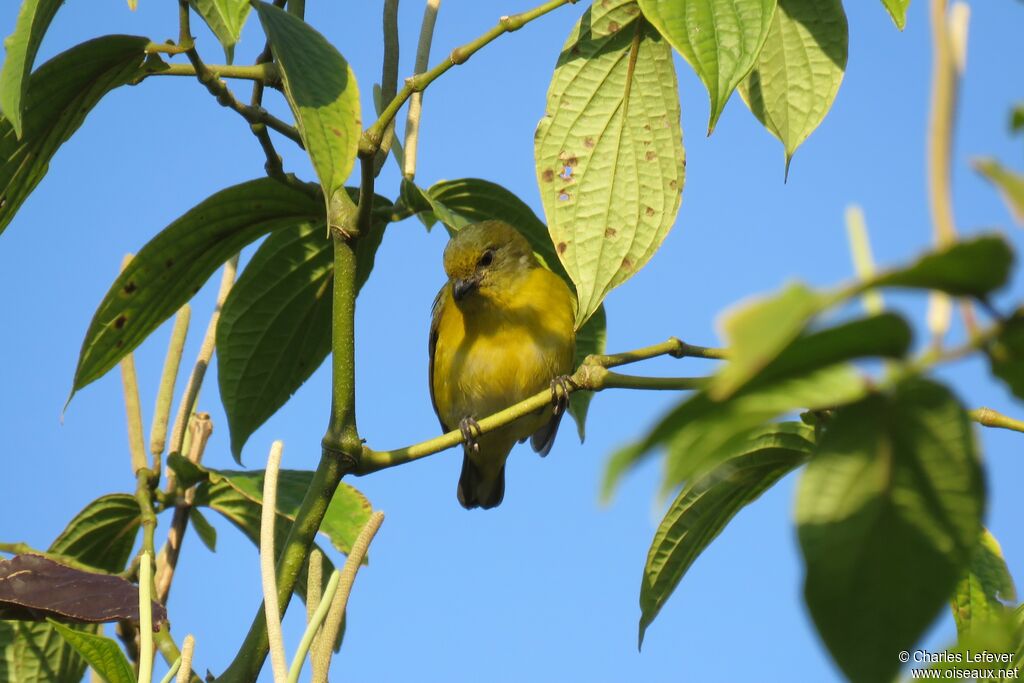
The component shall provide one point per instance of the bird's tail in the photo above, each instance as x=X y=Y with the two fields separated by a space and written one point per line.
x=478 y=488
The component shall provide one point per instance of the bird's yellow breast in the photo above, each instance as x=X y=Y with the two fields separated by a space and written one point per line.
x=502 y=347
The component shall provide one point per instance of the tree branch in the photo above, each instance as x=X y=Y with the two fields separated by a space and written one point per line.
x=371 y=139
x=991 y=418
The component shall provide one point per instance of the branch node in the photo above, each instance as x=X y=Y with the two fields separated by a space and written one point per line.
x=457 y=56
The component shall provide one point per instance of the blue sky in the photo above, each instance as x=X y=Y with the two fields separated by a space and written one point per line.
x=545 y=587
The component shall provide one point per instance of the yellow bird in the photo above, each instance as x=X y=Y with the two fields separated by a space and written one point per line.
x=502 y=330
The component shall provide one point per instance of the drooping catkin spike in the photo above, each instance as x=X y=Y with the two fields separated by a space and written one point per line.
x=278 y=659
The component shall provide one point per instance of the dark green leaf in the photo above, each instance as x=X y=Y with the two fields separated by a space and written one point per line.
x=322 y=92
x=973 y=267
x=102 y=654
x=58 y=97
x=1006 y=355
x=888 y=512
x=225 y=18
x=1009 y=184
x=172 y=266
x=798 y=71
x=720 y=40
x=590 y=339
x=187 y=472
x=983 y=592
x=1017 y=119
x=34 y=18
x=207 y=534
x=35 y=653
x=275 y=328
x=609 y=150
x=898 y=11
x=707 y=505
x=103 y=534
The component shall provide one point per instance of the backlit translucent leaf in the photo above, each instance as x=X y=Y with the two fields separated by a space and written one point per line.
x=33 y=652
x=705 y=507
x=20 y=48
x=986 y=592
x=1009 y=184
x=798 y=72
x=172 y=266
x=1006 y=354
x=888 y=512
x=225 y=18
x=103 y=534
x=972 y=267
x=609 y=151
x=322 y=92
x=102 y=654
x=720 y=40
x=898 y=11
x=57 y=99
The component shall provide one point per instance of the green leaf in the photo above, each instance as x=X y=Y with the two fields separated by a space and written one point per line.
x=102 y=654
x=207 y=534
x=1017 y=119
x=322 y=92
x=609 y=150
x=974 y=267
x=798 y=72
x=720 y=40
x=1006 y=354
x=57 y=99
x=706 y=506
x=33 y=652
x=590 y=339
x=756 y=332
x=172 y=266
x=346 y=514
x=888 y=512
x=225 y=18
x=898 y=11
x=810 y=374
x=34 y=18
x=275 y=327
x=1009 y=184
x=982 y=593
x=103 y=534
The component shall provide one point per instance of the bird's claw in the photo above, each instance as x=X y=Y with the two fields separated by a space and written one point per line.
x=560 y=390
x=471 y=432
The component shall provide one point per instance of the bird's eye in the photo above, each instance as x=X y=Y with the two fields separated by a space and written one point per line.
x=486 y=259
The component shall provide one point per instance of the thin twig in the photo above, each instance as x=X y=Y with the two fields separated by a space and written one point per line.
x=170 y=675
x=991 y=418
x=412 y=121
x=146 y=618
x=271 y=607
x=323 y=649
x=315 y=620
x=273 y=165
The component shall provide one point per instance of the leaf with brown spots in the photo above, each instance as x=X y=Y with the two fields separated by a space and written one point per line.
x=33 y=588
x=167 y=270
x=612 y=139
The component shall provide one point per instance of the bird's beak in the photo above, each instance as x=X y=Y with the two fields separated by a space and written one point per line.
x=461 y=288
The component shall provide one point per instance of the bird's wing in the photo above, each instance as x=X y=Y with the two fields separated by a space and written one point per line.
x=435 y=319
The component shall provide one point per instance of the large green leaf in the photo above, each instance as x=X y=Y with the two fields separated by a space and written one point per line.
x=172 y=266
x=32 y=652
x=898 y=11
x=57 y=99
x=706 y=506
x=798 y=72
x=322 y=92
x=982 y=594
x=103 y=534
x=102 y=654
x=973 y=267
x=720 y=40
x=888 y=512
x=810 y=374
x=20 y=47
x=1009 y=184
x=225 y=18
x=1006 y=354
x=275 y=328
x=609 y=150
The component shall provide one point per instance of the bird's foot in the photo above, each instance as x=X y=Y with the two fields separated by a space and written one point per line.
x=561 y=387
x=471 y=432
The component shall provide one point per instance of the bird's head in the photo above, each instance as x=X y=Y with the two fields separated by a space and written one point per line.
x=486 y=257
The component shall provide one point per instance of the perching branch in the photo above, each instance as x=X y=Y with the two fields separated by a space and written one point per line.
x=987 y=417
x=372 y=137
